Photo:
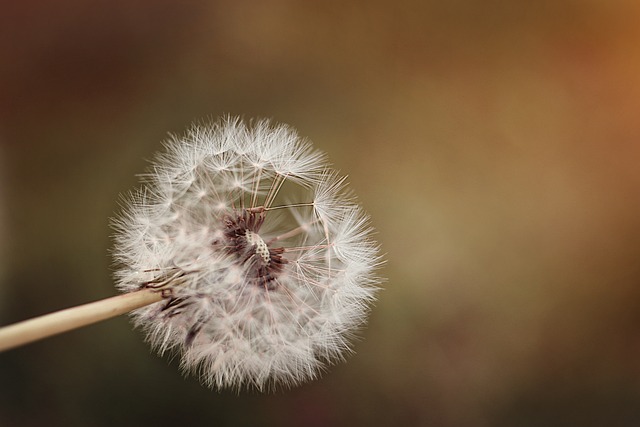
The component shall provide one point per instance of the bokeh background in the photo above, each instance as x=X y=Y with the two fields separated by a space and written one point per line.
x=495 y=144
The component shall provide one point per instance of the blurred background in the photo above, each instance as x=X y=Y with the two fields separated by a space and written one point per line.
x=494 y=143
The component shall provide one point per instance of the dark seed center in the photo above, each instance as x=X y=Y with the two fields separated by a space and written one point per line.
x=263 y=262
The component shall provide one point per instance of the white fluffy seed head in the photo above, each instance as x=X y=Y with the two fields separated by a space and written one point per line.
x=265 y=263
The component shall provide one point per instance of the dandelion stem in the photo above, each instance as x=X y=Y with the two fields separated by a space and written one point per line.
x=72 y=318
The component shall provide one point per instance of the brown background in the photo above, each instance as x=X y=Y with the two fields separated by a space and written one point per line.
x=495 y=144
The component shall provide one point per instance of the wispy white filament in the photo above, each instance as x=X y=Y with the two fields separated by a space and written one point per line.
x=265 y=261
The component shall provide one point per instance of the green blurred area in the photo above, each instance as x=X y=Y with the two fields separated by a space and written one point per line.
x=494 y=143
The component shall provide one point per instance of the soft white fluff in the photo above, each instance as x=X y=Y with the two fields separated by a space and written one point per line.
x=232 y=325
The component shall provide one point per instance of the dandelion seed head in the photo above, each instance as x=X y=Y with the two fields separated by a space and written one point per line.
x=259 y=288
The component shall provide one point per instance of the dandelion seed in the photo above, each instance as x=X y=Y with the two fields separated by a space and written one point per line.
x=265 y=263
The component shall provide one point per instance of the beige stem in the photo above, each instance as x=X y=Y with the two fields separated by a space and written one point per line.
x=71 y=318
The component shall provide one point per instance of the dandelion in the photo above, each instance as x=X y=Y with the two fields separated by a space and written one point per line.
x=256 y=262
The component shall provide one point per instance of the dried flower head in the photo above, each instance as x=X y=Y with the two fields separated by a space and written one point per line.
x=264 y=261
